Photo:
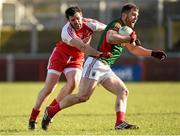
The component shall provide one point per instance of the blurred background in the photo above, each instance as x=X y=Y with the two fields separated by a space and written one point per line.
x=29 y=30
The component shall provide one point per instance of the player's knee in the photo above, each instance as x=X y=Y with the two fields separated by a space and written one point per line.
x=83 y=98
x=46 y=91
x=48 y=88
x=72 y=85
x=123 y=93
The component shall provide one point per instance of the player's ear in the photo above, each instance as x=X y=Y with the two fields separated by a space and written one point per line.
x=124 y=15
x=81 y=14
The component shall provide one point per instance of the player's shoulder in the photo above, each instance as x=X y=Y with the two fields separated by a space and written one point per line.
x=90 y=23
x=67 y=25
x=67 y=28
x=115 y=24
x=85 y=20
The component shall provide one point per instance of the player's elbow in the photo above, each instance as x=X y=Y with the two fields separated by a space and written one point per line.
x=111 y=40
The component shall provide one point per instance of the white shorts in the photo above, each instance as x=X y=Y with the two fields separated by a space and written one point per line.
x=97 y=70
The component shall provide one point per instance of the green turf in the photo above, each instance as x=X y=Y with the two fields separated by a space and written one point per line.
x=152 y=106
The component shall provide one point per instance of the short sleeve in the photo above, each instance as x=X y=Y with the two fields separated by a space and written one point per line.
x=115 y=26
x=94 y=25
x=68 y=33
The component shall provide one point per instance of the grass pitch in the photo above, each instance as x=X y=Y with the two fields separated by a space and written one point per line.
x=153 y=106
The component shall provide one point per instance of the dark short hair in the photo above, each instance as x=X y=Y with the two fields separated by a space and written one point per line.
x=72 y=10
x=127 y=7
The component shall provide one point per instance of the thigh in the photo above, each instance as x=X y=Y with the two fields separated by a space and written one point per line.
x=87 y=86
x=73 y=74
x=51 y=79
x=114 y=84
x=95 y=69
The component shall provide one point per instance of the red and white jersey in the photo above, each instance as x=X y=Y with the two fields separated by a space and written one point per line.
x=67 y=56
x=89 y=26
x=85 y=33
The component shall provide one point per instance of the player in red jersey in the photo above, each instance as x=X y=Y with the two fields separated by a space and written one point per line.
x=68 y=57
x=99 y=70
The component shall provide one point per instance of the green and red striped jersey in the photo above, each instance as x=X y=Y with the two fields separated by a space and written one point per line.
x=115 y=49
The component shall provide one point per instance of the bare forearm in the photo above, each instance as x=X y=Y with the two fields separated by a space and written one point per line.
x=140 y=51
x=114 y=38
x=78 y=44
x=91 y=51
x=88 y=50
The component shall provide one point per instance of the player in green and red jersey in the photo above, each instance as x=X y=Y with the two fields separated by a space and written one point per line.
x=98 y=70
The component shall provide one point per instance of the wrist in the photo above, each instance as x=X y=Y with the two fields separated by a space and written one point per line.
x=133 y=37
x=131 y=40
x=152 y=53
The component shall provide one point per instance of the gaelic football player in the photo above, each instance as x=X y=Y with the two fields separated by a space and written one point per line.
x=68 y=57
x=98 y=70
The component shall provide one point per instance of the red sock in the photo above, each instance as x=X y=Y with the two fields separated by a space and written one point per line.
x=53 y=103
x=52 y=110
x=34 y=114
x=120 y=117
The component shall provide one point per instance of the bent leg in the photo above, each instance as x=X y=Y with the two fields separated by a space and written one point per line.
x=117 y=87
x=86 y=88
x=73 y=79
x=51 y=80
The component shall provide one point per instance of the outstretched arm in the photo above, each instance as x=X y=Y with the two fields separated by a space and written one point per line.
x=141 y=51
x=138 y=50
x=88 y=50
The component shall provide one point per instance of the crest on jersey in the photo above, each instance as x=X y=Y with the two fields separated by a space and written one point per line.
x=81 y=35
x=93 y=73
x=116 y=27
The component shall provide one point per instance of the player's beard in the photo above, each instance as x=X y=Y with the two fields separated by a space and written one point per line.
x=76 y=26
x=133 y=22
x=130 y=23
